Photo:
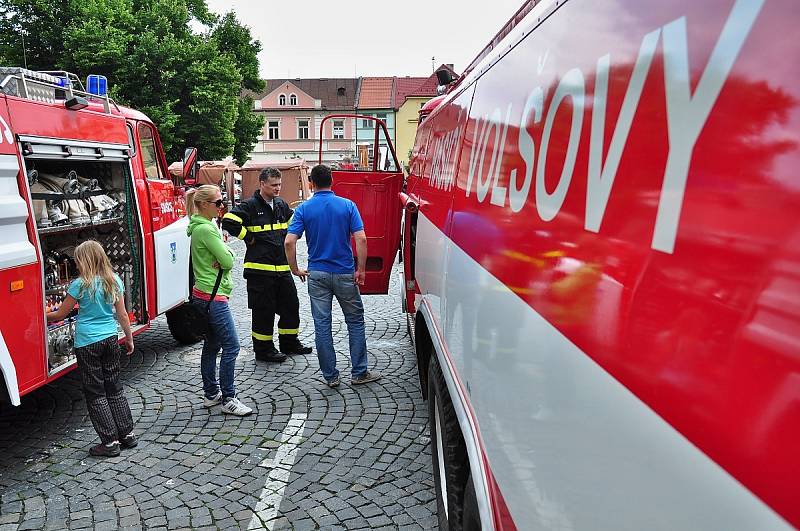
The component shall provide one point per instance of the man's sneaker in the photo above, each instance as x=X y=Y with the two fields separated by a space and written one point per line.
x=232 y=406
x=270 y=355
x=295 y=347
x=367 y=377
x=105 y=450
x=129 y=441
x=333 y=383
x=211 y=402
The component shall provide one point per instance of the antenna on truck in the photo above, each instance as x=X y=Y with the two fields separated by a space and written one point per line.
x=24 y=52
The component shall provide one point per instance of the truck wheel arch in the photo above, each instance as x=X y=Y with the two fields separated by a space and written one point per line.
x=428 y=346
x=423 y=344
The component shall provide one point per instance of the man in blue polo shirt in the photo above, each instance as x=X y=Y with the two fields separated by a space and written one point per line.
x=329 y=222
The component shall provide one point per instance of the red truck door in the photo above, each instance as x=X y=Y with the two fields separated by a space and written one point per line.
x=373 y=185
x=169 y=248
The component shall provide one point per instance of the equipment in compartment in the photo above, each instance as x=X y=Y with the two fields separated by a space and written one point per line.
x=60 y=338
x=74 y=202
x=71 y=199
x=59 y=270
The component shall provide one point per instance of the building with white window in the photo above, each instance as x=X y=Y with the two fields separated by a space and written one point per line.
x=294 y=110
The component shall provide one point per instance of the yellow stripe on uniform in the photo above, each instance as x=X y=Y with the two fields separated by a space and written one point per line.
x=262 y=337
x=282 y=331
x=265 y=267
x=264 y=228
x=234 y=217
x=242 y=234
x=258 y=228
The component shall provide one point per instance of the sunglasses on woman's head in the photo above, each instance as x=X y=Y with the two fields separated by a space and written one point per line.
x=219 y=203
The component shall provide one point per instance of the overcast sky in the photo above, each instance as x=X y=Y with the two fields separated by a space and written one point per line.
x=344 y=38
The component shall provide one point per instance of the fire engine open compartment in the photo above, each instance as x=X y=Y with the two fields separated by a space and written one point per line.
x=74 y=201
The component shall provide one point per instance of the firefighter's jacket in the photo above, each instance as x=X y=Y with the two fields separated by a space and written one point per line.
x=264 y=230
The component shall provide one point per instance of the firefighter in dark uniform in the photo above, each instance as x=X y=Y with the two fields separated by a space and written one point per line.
x=261 y=222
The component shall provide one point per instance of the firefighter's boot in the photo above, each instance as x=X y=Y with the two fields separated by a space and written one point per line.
x=291 y=345
x=266 y=351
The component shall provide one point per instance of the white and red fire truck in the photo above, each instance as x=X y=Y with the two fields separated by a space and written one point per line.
x=73 y=166
x=602 y=256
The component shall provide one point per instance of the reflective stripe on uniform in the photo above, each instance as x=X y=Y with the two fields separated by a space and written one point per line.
x=234 y=217
x=284 y=331
x=262 y=337
x=265 y=267
x=263 y=228
x=242 y=234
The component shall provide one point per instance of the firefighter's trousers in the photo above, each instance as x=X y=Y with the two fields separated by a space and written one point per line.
x=267 y=296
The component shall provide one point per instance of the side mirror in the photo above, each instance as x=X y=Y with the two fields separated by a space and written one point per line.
x=190 y=166
x=445 y=77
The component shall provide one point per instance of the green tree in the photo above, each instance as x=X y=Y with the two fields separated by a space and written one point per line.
x=32 y=31
x=236 y=41
x=190 y=84
x=248 y=126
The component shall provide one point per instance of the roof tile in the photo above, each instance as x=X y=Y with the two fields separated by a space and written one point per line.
x=405 y=86
x=376 y=93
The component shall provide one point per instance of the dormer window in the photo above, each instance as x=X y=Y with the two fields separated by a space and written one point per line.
x=282 y=99
x=340 y=91
x=293 y=99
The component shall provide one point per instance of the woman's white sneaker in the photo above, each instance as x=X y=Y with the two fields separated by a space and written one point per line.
x=232 y=406
x=211 y=402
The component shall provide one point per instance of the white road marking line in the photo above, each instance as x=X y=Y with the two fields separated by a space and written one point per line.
x=271 y=496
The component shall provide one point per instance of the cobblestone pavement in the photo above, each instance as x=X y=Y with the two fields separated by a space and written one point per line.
x=309 y=457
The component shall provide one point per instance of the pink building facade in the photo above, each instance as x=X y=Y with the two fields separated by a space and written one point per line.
x=293 y=113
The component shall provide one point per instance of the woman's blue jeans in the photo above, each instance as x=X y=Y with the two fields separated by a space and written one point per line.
x=322 y=287
x=222 y=336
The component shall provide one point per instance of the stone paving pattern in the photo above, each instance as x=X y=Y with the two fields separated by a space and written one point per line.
x=363 y=461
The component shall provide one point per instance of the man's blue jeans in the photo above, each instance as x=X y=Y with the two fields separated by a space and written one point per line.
x=322 y=287
x=223 y=335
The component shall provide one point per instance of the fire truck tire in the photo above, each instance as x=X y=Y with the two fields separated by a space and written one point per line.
x=472 y=516
x=407 y=315
x=177 y=322
x=448 y=452
x=4 y=398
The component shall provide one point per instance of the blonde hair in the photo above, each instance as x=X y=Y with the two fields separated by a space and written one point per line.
x=206 y=192
x=93 y=263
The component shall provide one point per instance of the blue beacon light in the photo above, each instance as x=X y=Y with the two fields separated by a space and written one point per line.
x=97 y=85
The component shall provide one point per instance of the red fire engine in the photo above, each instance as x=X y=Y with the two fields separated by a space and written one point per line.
x=73 y=166
x=602 y=260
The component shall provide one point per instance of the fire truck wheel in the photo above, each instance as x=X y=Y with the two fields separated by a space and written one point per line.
x=472 y=518
x=177 y=322
x=407 y=315
x=448 y=452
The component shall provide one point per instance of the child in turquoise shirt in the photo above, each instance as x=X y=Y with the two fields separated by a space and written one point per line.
x=98 y=291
